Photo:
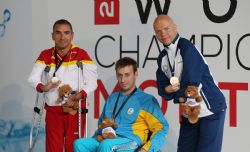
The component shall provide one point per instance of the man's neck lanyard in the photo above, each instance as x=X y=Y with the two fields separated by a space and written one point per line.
x=123 y=104
x=56 y=61
x=172 y=68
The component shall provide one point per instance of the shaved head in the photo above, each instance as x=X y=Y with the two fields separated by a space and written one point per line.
x=165 y=29
x=163 y=17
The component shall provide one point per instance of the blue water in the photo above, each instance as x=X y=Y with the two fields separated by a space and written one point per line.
x=6 y=18
x=14 y=137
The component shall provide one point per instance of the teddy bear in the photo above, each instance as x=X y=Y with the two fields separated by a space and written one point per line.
x=64 y=92
x=106 y=129
x=191 y=107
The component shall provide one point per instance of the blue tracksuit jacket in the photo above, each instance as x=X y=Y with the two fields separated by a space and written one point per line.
x=140 y=115
x=195 y=72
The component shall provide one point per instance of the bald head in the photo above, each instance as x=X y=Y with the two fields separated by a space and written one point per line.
x=161 y=17
x=165 y=29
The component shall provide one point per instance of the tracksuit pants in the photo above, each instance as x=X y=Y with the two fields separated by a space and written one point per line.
x=204 y=136
x=117 y=144
x=61 y=129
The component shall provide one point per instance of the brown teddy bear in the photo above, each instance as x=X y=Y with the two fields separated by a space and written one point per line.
x=191 y=107
x=64 y=92
x=106 y=129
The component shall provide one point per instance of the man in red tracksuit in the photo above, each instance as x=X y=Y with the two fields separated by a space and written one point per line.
x=63 y=59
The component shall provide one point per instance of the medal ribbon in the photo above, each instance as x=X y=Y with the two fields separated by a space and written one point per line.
x=56 y=61
x=123 y=104
x=172 y=68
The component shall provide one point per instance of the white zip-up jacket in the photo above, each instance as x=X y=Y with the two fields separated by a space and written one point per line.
x=67 y=73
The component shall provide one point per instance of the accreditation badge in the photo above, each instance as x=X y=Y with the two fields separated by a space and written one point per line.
x=165 y=68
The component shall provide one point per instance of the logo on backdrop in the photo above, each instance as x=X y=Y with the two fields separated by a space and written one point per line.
x=6 y=18
x=107 y=11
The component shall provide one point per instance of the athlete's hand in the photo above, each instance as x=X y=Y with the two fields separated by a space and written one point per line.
x=75 y=97
x=142 y=150
x=172 y=88
x=49 y=85
x=70 y=103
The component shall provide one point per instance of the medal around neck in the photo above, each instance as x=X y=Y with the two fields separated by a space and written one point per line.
x=55 y=80
x=174 y=80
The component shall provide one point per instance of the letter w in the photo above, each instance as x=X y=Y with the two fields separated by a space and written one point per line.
x=144 y=14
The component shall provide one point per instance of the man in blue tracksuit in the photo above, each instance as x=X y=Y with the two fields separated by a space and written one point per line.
x=180 y=64
x=136 y=113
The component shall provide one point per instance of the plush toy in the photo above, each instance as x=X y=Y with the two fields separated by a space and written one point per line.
x=64 y=92
x=191 y=107
x=106 y=129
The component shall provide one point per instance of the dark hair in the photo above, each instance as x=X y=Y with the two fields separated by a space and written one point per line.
x=126 y=61
x=62 y=21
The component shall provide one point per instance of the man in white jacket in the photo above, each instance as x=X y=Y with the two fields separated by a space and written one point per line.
x=62 y=60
